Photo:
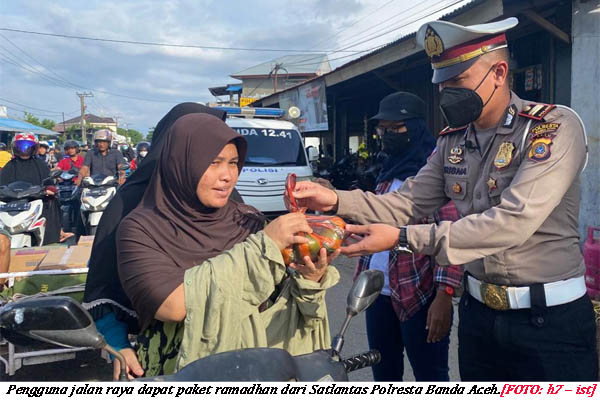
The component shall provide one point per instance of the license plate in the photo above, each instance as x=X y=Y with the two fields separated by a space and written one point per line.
x=15 y=207
x=97 y=192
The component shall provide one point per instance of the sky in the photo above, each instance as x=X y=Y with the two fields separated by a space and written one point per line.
x=139 y=84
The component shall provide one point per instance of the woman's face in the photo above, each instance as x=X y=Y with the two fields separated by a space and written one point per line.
x=219 y=179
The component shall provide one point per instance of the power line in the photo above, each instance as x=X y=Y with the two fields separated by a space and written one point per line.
x=34 y=108
x=69 y=85
x=351 y=25
x=187 y=46
x=404 y=24
x=37 y=62
x=35 y=113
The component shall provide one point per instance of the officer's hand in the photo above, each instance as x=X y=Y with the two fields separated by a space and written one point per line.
x=439 y=317
x=283 y=230
x=314 y=196
x=377 y=237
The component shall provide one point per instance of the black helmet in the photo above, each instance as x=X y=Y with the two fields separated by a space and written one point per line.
x=142 y=146
x=400 y=106
x=71 y=144
x=2 y=146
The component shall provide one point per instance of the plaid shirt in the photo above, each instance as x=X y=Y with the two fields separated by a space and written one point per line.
x=412 y=279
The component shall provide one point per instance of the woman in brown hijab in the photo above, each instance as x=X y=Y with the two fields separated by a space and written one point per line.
x=187 y=221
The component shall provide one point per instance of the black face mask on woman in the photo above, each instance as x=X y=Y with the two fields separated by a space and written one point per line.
x=395 y=143
x=461 y=106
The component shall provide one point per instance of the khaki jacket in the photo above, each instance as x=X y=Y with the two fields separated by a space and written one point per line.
x=518 y=200
x=223 y=294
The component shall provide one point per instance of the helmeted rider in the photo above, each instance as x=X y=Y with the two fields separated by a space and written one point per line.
x=142 y=149
x=102 y=159
x=28 y=168
x=72 y=157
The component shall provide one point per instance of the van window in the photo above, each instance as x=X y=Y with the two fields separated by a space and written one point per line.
x=273 y=146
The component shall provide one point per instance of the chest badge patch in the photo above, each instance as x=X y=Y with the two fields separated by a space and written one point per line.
x=504 y=155
x=456 y=155
x=540 y=149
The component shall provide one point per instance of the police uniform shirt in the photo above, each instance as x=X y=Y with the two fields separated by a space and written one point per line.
x=519 y=200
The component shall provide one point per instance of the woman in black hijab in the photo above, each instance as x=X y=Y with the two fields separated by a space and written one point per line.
x=104 y=296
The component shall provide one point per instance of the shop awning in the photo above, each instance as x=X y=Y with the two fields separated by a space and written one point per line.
x=15 y=125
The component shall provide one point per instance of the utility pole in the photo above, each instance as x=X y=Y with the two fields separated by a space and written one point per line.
x=82 y=97
x=64 y=128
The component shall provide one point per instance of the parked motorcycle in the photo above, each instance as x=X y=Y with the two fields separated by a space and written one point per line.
x=97 y=191
x=21 y=206
x=62 y=321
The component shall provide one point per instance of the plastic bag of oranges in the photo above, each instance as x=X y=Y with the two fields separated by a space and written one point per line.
x=328 y=231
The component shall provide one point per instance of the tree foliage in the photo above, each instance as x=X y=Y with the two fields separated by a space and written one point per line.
x=45 y=123
x=132 y=134
x=150 y=133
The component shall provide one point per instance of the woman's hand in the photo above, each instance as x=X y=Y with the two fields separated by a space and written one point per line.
x=134 y=369
x=315 y=272
x=283 y=230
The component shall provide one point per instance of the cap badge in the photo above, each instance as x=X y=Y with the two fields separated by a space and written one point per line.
x=433 y=43
x=456 y=155
x=504 y=155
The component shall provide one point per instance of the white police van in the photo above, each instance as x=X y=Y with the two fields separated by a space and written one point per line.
x=275 y=149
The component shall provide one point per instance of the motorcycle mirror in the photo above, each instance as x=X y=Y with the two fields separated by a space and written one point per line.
x=55 y=173
x=59 y=320
x=363 y=293
x=123 y=167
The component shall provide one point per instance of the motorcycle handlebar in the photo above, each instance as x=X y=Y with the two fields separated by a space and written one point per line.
x=362 y=360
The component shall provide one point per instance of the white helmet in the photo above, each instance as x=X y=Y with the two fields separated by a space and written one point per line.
x=103 y=135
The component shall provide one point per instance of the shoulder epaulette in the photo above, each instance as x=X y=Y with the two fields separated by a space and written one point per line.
x=448 y=130
x=536 y=111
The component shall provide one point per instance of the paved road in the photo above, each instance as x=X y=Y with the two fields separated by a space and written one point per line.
x=88 y=366
x=356 y=336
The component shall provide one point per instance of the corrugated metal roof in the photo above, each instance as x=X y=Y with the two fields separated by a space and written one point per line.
x=294 y=64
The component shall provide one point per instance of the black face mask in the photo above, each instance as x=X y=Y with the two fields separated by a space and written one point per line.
x=461 y=106
x=395 y=143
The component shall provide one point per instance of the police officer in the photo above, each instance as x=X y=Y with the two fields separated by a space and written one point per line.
x=512 y=168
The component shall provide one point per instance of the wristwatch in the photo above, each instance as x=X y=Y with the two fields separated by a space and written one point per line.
x=402 y=245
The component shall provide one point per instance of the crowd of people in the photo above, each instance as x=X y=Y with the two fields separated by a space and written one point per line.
x=182 y=263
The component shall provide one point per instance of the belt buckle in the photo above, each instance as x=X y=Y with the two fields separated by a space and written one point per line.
x=495 y=296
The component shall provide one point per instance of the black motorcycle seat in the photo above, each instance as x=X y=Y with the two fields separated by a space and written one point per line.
x=248 y=365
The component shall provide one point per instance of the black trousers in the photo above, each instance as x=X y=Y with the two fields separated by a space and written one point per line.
x=556 y=344
x=51 y=212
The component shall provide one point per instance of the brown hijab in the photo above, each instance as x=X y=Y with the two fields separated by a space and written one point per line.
x=171 y=230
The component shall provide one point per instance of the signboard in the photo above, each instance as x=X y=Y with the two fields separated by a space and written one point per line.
x=244 y=101
x=312 y=101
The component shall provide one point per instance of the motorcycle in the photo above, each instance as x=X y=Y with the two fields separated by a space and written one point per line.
x=60 y=320
x=97 y=191
x=68 y=195
x=21 y=206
